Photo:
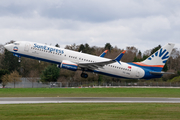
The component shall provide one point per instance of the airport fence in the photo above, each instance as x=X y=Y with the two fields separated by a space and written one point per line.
x=28 y=83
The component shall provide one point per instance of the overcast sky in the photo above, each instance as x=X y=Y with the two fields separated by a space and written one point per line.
x=140 y=23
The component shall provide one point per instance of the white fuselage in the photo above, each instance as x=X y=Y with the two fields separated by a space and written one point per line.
x=57 y=55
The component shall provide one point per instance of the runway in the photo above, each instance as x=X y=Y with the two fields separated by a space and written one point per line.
x=21 y=100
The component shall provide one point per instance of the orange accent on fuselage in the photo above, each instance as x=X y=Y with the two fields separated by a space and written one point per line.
x=70 y=64
x=142 y=64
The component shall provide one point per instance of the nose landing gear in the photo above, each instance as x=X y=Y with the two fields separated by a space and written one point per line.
x=19 y=60
x=84 y=75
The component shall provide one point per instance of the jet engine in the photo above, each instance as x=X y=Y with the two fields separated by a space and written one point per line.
x=69 y=65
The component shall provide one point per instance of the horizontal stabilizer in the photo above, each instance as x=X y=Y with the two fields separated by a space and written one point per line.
x=160 y=73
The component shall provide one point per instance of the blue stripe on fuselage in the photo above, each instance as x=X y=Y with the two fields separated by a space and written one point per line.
x=147 y=70
x=148 y=75
x=42 y=59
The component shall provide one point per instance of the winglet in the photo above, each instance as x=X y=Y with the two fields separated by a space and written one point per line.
x=118 y=58
x=103 y=54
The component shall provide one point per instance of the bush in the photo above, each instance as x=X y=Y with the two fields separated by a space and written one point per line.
x=50 y=74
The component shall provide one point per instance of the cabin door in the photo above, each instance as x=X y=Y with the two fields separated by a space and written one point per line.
x=26 y=47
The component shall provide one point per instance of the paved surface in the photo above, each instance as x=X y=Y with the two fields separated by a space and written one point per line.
x=19 y=100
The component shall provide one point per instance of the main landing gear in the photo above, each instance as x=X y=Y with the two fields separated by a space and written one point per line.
x=84 y=75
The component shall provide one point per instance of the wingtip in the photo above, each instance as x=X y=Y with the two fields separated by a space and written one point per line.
x=124 y=51
x=106 y=51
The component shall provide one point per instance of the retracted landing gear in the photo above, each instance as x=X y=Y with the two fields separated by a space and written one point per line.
x=84 y=75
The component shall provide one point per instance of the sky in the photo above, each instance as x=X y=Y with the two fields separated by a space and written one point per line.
x=144 y=24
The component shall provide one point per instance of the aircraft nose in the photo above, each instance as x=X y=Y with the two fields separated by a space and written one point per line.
x=8 y=47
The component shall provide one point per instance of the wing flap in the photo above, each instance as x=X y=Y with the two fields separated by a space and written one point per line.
x=96 y=65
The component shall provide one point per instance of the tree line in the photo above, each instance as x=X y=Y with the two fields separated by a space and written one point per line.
x=9 y=65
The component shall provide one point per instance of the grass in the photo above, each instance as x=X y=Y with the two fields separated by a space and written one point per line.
x=90 y=92
x=89 y=111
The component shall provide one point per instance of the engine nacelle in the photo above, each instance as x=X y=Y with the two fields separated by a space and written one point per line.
x=69 y=65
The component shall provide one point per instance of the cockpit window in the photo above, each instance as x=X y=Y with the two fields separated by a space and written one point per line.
x=16 y=43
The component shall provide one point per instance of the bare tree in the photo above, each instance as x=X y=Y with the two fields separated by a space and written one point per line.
x=5 y=80
x=72 y=47
x=131 y=52
x=14 y=77
x=1 y=48
x=1 y=54
x=33 y=76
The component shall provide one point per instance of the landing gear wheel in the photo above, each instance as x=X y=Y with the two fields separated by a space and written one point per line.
x=84 y=75
x=19 y=60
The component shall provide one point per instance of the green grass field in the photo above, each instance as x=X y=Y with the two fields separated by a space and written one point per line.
x=90 y=111
x=90 y=92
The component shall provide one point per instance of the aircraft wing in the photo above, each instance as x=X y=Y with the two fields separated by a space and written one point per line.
x=96 y=65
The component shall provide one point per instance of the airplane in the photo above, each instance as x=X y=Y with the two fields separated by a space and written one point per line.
x=72 y=60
